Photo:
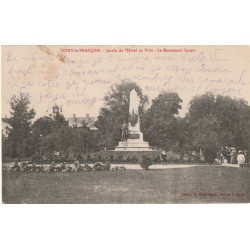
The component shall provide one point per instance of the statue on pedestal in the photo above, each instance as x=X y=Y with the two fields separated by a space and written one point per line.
x=132 y=137
x=124 y=128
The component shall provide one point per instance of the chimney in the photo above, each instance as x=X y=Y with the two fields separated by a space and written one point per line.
x=87 y=116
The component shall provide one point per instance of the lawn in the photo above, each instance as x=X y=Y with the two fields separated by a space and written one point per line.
x=198 y=184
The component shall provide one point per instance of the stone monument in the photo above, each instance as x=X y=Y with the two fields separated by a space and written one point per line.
x=132 y=137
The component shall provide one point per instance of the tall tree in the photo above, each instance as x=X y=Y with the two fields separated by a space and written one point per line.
x=233 y=116
x=159 y=123
x=57 y=140
x=115 y=111
x=51 y=134
x=42 y=126
x=205 y=137
x=81 y=141
x=20 y=137
x=201 y=106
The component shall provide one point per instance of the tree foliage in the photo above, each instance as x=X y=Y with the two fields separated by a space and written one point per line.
x=159 y=123
x=212 y=122
x=233 y=116
x=42 y=126
x=82 y=141
x=20 y=137
x=51 y=134
x=206 y=137
x=54 y=135
x=115 y=111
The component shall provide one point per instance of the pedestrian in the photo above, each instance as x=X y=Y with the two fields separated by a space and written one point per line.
x=222 y=156
x=163 y=155
x=228 y=156
x=241 y=159
x=246 y=156
x=233 y=156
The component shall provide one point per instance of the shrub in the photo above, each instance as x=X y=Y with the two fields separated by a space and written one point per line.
x=75 y=167
x=33 y=167
x=94 y=158
x=71 y=158
x=52 y=167
x=98 y=166
x=107 y=166
x=157 y=159
x=36 y=157
x=88 y=158
x=210 y=155
x=119 y=158
x=145 y=162
x=87 y=168
x=99 y=158
x=134 y=159
x=79 y=157
x=63 y=167
x=111 y=158
x=64 y=157
x=128 y=159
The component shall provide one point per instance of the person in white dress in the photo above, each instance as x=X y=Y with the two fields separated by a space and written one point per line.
x=241 y=158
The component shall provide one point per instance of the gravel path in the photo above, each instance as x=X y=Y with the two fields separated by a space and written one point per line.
x=155 y=166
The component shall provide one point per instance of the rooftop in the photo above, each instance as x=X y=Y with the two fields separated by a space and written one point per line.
x=81 y=121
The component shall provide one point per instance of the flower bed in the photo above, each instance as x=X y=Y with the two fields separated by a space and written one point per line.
x=118 y=157
x=58 y=167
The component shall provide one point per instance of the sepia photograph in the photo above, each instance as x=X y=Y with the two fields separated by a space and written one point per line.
x=135 y=124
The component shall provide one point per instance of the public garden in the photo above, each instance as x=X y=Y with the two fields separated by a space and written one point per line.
x=138 y=153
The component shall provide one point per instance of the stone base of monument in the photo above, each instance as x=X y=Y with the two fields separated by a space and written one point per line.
x=134 y=143
x=125 y=146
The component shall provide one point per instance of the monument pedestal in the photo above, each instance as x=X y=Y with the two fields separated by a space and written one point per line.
x=134 y=143
x=132 y=136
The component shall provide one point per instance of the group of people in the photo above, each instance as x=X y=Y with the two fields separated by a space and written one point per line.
x=232 y=156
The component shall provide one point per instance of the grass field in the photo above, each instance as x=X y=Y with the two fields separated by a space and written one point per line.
x=199 y=184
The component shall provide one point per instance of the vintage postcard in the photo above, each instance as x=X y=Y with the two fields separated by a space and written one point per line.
x=125 y=124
